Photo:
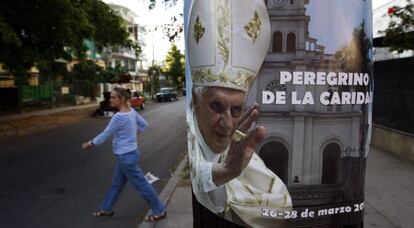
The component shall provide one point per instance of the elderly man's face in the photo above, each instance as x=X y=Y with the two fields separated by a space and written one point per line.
x=218 y=113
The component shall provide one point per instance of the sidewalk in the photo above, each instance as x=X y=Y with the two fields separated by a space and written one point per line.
x=389 y=189
x=45 y=112
x=388 y=195
x=177 y=197
x=37 y=121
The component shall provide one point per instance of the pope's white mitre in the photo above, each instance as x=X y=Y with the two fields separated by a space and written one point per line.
x=227 y=42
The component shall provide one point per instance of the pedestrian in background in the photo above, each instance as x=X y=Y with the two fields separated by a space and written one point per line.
x=124 y=127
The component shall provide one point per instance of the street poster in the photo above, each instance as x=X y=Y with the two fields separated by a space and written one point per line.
x=279 y=100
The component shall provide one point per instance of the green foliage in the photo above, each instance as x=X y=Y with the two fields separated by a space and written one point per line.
x=168 y=3
x=117 y=74
x=108 y=28
x=175 y=66
x=154 y=73
x=88 y=72
x=38 y=32
x=173 y=29
x=402 y=22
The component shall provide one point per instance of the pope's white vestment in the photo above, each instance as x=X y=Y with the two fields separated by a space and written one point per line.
x=255 y=189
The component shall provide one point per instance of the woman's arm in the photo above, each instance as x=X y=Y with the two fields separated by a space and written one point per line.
x=114 y=125
x=141 y=123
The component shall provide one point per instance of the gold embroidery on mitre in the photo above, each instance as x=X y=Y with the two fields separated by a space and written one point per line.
x=253 y=27
x=198 y=29
x=224 y=39
x=242 y=80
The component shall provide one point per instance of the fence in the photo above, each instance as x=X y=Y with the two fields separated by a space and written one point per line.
x=35 y=96
x=38 y=92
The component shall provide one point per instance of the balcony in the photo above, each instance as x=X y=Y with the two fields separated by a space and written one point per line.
x=290 y=56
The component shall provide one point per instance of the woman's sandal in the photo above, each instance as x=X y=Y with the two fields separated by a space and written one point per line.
x=103 y=214
x=152 y=218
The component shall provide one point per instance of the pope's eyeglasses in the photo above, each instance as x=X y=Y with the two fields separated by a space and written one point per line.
x=219 y=108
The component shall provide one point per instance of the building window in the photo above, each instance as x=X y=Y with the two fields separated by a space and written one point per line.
x=276 y=157
x=277 y=42
x=331 y=166
x=291 y=43
x=274 y=86
x=292 y=2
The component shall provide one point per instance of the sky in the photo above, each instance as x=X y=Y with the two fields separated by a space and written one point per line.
x=341 y=15
x=150 y=19
x=339 y=9
x=332 y=21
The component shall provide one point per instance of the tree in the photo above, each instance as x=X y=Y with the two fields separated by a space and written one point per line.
x=176 y=27
x=154 y=73
x=89 y=73
x=169 y=3
x=118 y=74
x=399 y=35
x=354 y=57
x=38 y=32
x=175 y=66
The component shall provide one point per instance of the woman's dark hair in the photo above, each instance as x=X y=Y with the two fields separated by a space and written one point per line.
x=123 y=93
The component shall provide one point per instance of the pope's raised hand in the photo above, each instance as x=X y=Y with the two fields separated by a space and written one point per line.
x=240 y=151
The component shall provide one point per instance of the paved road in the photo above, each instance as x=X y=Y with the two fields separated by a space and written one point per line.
x=47 y=181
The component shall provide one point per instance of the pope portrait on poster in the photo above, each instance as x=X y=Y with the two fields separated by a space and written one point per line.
x=279 y=113
x=227 y=42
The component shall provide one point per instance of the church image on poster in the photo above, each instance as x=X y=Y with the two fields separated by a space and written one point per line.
x=319 y=151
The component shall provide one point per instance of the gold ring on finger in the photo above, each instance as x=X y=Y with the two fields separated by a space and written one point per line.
x=238 y=135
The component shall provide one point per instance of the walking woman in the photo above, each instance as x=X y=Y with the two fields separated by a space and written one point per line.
x=124 y=127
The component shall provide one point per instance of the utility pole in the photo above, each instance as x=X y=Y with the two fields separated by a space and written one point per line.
x=152 y=71
x=153 y=50
x=152 y=78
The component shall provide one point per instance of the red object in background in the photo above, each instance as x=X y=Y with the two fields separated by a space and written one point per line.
x=138 y=102
x=391 y=11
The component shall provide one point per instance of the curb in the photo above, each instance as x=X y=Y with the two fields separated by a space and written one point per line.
x=167 y=192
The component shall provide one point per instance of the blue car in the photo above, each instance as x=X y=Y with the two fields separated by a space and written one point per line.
x=166 y=94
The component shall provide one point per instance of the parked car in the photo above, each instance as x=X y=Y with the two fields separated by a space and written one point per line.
x=137 y=101
x=166 y=94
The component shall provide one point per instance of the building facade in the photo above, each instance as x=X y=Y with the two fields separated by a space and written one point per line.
x=127 y=57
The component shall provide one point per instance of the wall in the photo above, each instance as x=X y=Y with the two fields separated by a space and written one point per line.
x=393 y=141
